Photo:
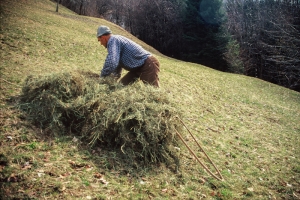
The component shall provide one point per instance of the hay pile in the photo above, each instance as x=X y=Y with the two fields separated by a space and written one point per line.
x=138 y=119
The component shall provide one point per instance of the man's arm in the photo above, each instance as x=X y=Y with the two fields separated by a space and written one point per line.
x=112 y=60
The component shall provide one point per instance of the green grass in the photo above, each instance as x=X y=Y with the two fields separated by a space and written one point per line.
x=249 y=128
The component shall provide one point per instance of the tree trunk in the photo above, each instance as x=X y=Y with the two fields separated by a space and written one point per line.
x=57 y=6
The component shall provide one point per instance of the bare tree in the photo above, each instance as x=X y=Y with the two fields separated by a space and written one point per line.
x=102 y=7
x=116 y=12
x=57 y=5
x=268 y=34
x=130 y=9
x=158 y=22
x=78 y=6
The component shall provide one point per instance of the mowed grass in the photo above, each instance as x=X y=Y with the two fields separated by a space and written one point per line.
x=248 y=127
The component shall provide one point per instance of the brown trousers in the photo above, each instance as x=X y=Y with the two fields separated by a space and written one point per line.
x=148 y=73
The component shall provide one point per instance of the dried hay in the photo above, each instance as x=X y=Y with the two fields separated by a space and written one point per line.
x=139 y=119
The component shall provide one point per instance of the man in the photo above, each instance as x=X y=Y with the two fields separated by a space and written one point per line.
x=123 y=53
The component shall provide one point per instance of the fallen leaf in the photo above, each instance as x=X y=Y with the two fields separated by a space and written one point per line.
x=63 y=188
x=12 y=178
x=74 y=139
x=202 y=180
x=103 y=181
x=64 y=175
x=164 y=190
x=88 y=167
x=71 y=162
x=98 y=175
x=47 y=156
x=26 y=165
x=142 y=182
x=288 y=185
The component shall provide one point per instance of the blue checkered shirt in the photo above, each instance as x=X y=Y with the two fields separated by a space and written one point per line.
x=123 y=52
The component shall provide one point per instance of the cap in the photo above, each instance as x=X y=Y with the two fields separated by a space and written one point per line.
x=103 y=30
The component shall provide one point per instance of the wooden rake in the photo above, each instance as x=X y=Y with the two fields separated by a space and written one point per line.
x=219 y=177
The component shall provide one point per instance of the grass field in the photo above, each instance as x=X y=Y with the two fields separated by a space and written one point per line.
x=248 y=127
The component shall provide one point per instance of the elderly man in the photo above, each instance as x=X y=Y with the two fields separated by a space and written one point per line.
x=124 y=53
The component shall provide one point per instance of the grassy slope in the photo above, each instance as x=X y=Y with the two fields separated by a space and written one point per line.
x=250 y=128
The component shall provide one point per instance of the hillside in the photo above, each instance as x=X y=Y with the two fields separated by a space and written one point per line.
x=248 y=127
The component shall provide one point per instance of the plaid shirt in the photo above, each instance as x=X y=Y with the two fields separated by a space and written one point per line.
x=123 y=52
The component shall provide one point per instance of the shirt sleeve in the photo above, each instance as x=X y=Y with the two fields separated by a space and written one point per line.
x=112 y=59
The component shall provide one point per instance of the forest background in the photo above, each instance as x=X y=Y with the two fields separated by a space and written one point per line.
x=258 y=38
